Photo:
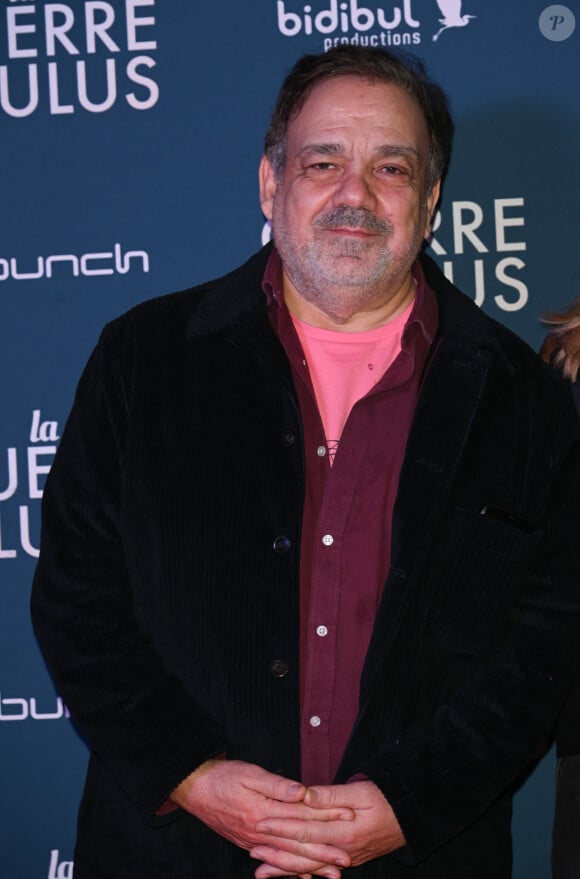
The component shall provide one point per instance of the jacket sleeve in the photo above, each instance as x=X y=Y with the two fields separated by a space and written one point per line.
x=139 y=720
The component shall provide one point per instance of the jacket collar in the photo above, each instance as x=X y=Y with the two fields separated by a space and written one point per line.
x=237 y=298
x=231 y=301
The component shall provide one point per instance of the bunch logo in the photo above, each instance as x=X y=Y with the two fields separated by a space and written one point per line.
x=490 y=264
x=452 y=17
x=59 y=870
x=349 y=22
x=106 y=262
x=21 y=708
x=78 y=56
x=29 y=467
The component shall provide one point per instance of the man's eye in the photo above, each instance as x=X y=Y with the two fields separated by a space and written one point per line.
x=392 y=169
x=322 y=166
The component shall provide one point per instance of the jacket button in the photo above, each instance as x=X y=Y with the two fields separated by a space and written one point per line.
x=279 y=668
x=282 y=544
x=288 y=438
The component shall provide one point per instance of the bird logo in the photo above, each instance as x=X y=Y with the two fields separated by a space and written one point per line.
x=452 y=17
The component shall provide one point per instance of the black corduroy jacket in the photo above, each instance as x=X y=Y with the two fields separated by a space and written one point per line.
x=160 y=602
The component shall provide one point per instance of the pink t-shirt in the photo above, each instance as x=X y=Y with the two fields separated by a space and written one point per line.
x=345 y=366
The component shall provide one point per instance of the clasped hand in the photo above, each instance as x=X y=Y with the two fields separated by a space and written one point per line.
x=291 y=829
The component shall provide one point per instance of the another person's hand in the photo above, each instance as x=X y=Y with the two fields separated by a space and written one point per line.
x=561 y=348
x=374 y=831
x=232 y=798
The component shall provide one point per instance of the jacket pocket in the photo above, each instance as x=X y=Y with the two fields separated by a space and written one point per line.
x=477 y=571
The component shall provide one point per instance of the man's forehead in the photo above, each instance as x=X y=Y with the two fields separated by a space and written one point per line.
x=336 y=92
x=348 y=100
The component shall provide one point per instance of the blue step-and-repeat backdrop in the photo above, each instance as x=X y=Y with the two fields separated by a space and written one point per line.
x=130 y=133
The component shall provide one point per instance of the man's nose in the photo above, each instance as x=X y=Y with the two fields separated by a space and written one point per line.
x=356 y=190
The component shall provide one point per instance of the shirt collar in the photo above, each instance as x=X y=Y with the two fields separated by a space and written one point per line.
x=424 y=313
x=272 y=280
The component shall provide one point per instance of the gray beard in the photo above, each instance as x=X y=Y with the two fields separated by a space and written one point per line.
x=320 y=281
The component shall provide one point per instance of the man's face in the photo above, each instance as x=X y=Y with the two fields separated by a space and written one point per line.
x=350 y=209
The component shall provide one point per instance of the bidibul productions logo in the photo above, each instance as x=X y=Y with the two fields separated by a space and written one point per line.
x=78 y=56
x=369 y=23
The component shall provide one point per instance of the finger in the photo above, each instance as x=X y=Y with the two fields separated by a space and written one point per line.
x=268 y=871
x=301 y=812
x=326 y=833
x=277 y=862
x=299 y=845
x=354 y=795
x=325 y=796
x=275 y=787
x=265 y=870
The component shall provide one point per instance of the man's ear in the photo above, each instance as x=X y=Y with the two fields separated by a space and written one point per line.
x=268 y=186
x=432 y=200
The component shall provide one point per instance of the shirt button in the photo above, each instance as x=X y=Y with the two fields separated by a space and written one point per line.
x=314 y=720
x=321 y=451
x=328 y=540
x=282 y=544
x=288 y=438
x=279 y=668
x=322 y=631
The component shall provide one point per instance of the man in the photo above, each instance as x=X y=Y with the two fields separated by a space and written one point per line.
x=306 y=581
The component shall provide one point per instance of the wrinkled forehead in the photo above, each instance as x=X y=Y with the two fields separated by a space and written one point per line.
x=358 y=108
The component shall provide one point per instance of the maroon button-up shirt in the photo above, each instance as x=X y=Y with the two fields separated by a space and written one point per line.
x=346 y=529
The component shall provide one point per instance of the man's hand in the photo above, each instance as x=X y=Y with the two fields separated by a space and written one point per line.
x=233 y=797
x=374 y=831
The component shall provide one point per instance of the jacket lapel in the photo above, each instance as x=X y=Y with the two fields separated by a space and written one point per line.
x=446 y=409
x=232 y=311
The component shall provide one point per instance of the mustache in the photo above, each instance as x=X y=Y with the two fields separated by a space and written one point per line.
x=354 y=218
